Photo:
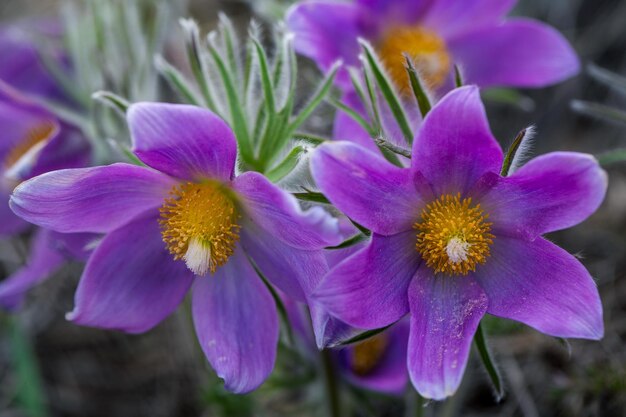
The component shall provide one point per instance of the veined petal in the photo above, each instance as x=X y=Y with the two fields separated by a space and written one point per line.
x=366 y=187
x=520 y=52
x=183 y=141
x=455 y=147
x=279 y=213
x=445 y=312
x=131 y=282
x=543 y=286
x=369 y=289
x=294 y=271
x=43 y=261
x=551 y=192
x=237 y=324
x=97 y=199
x=326 y=31
x=451 y=17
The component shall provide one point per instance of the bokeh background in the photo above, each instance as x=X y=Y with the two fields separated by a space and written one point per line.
x=49 y=367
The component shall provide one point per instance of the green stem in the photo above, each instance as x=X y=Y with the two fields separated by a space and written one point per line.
x=332 y=388
x=485 y=356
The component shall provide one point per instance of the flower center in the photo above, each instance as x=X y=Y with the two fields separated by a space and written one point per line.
x=454 y=236
x=367 y=354
x=33 y=142
x=199 y=224
x=425 y=48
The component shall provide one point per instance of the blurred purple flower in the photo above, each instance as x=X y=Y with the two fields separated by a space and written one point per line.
x=34 y=142
x=186 y=219
x=436 y=34
x=453 y=240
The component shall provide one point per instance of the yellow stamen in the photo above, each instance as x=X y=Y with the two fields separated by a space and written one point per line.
x=454 y=236
x=199 y=225
x=424 y=47
x=34 y=136
x=367 y=354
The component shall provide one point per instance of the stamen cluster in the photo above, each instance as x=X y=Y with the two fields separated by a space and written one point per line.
x=454 y=236
x=200 y=218
x=367 y=354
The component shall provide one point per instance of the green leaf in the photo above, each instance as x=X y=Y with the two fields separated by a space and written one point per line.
x=393 y=148
x=192 y=40
x=286 y=165
x=423 y=101
x=266 y=77
x=607 y=77
x=612 y=157
x=112 y=100
x=176 y=80
x=388 y=91
x=354 y=240
x=318 y=97
x=599 y=110
x=355 y=116
x=309 y=138
x=364 y=336
x=458 y=79
x=487 y=360
x=510 y=97
x=29 y=389
x=510 y=154
x=312 y=196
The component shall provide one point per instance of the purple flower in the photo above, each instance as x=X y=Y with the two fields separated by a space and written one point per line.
x=34 y=141
x=378 y=363
x=22 y=66
x=436 y=34
x=185 y=219
x=453 y=240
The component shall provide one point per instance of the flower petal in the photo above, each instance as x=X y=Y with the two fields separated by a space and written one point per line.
x=445 y=312
x=369 y=289
x=44 y=259
x=294 y=271
x=520 y=52
x=551 y=192
x=183 y=141
x=390 y=375
x=279 y=213
x=326 y=31
x=451 y=17
x=237 y=324
x=455 y=147
x=131 y=282
x=95 y=200
x=10 y=224
x=543 y=286
x=367 y=188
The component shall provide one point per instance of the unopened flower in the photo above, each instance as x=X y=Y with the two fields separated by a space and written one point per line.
x=435 y=35
x=453 y=240
x=185 y=219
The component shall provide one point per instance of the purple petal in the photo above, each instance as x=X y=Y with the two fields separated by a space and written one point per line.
x=96 y=199
x=131 y=282
x=520 y=52
x=279 y=213
x=328 y=330
x=237 y=324
x=10 y=224
x=390 y=375
x=43 y=261
x=451 y=17
x=68 y=149
x=455 y=147
x=445 y=312
x=77 y=246
x=367 y=188
x=551 y=192
x=369 y=289
x=294 y=271
x=326 y=31
x=183 y=141
x=543 y=286
x=388 y=13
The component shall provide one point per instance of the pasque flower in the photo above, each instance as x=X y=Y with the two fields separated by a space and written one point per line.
x=34 y=142
x=453 y=240
x=436 y=35
x=185 y=219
